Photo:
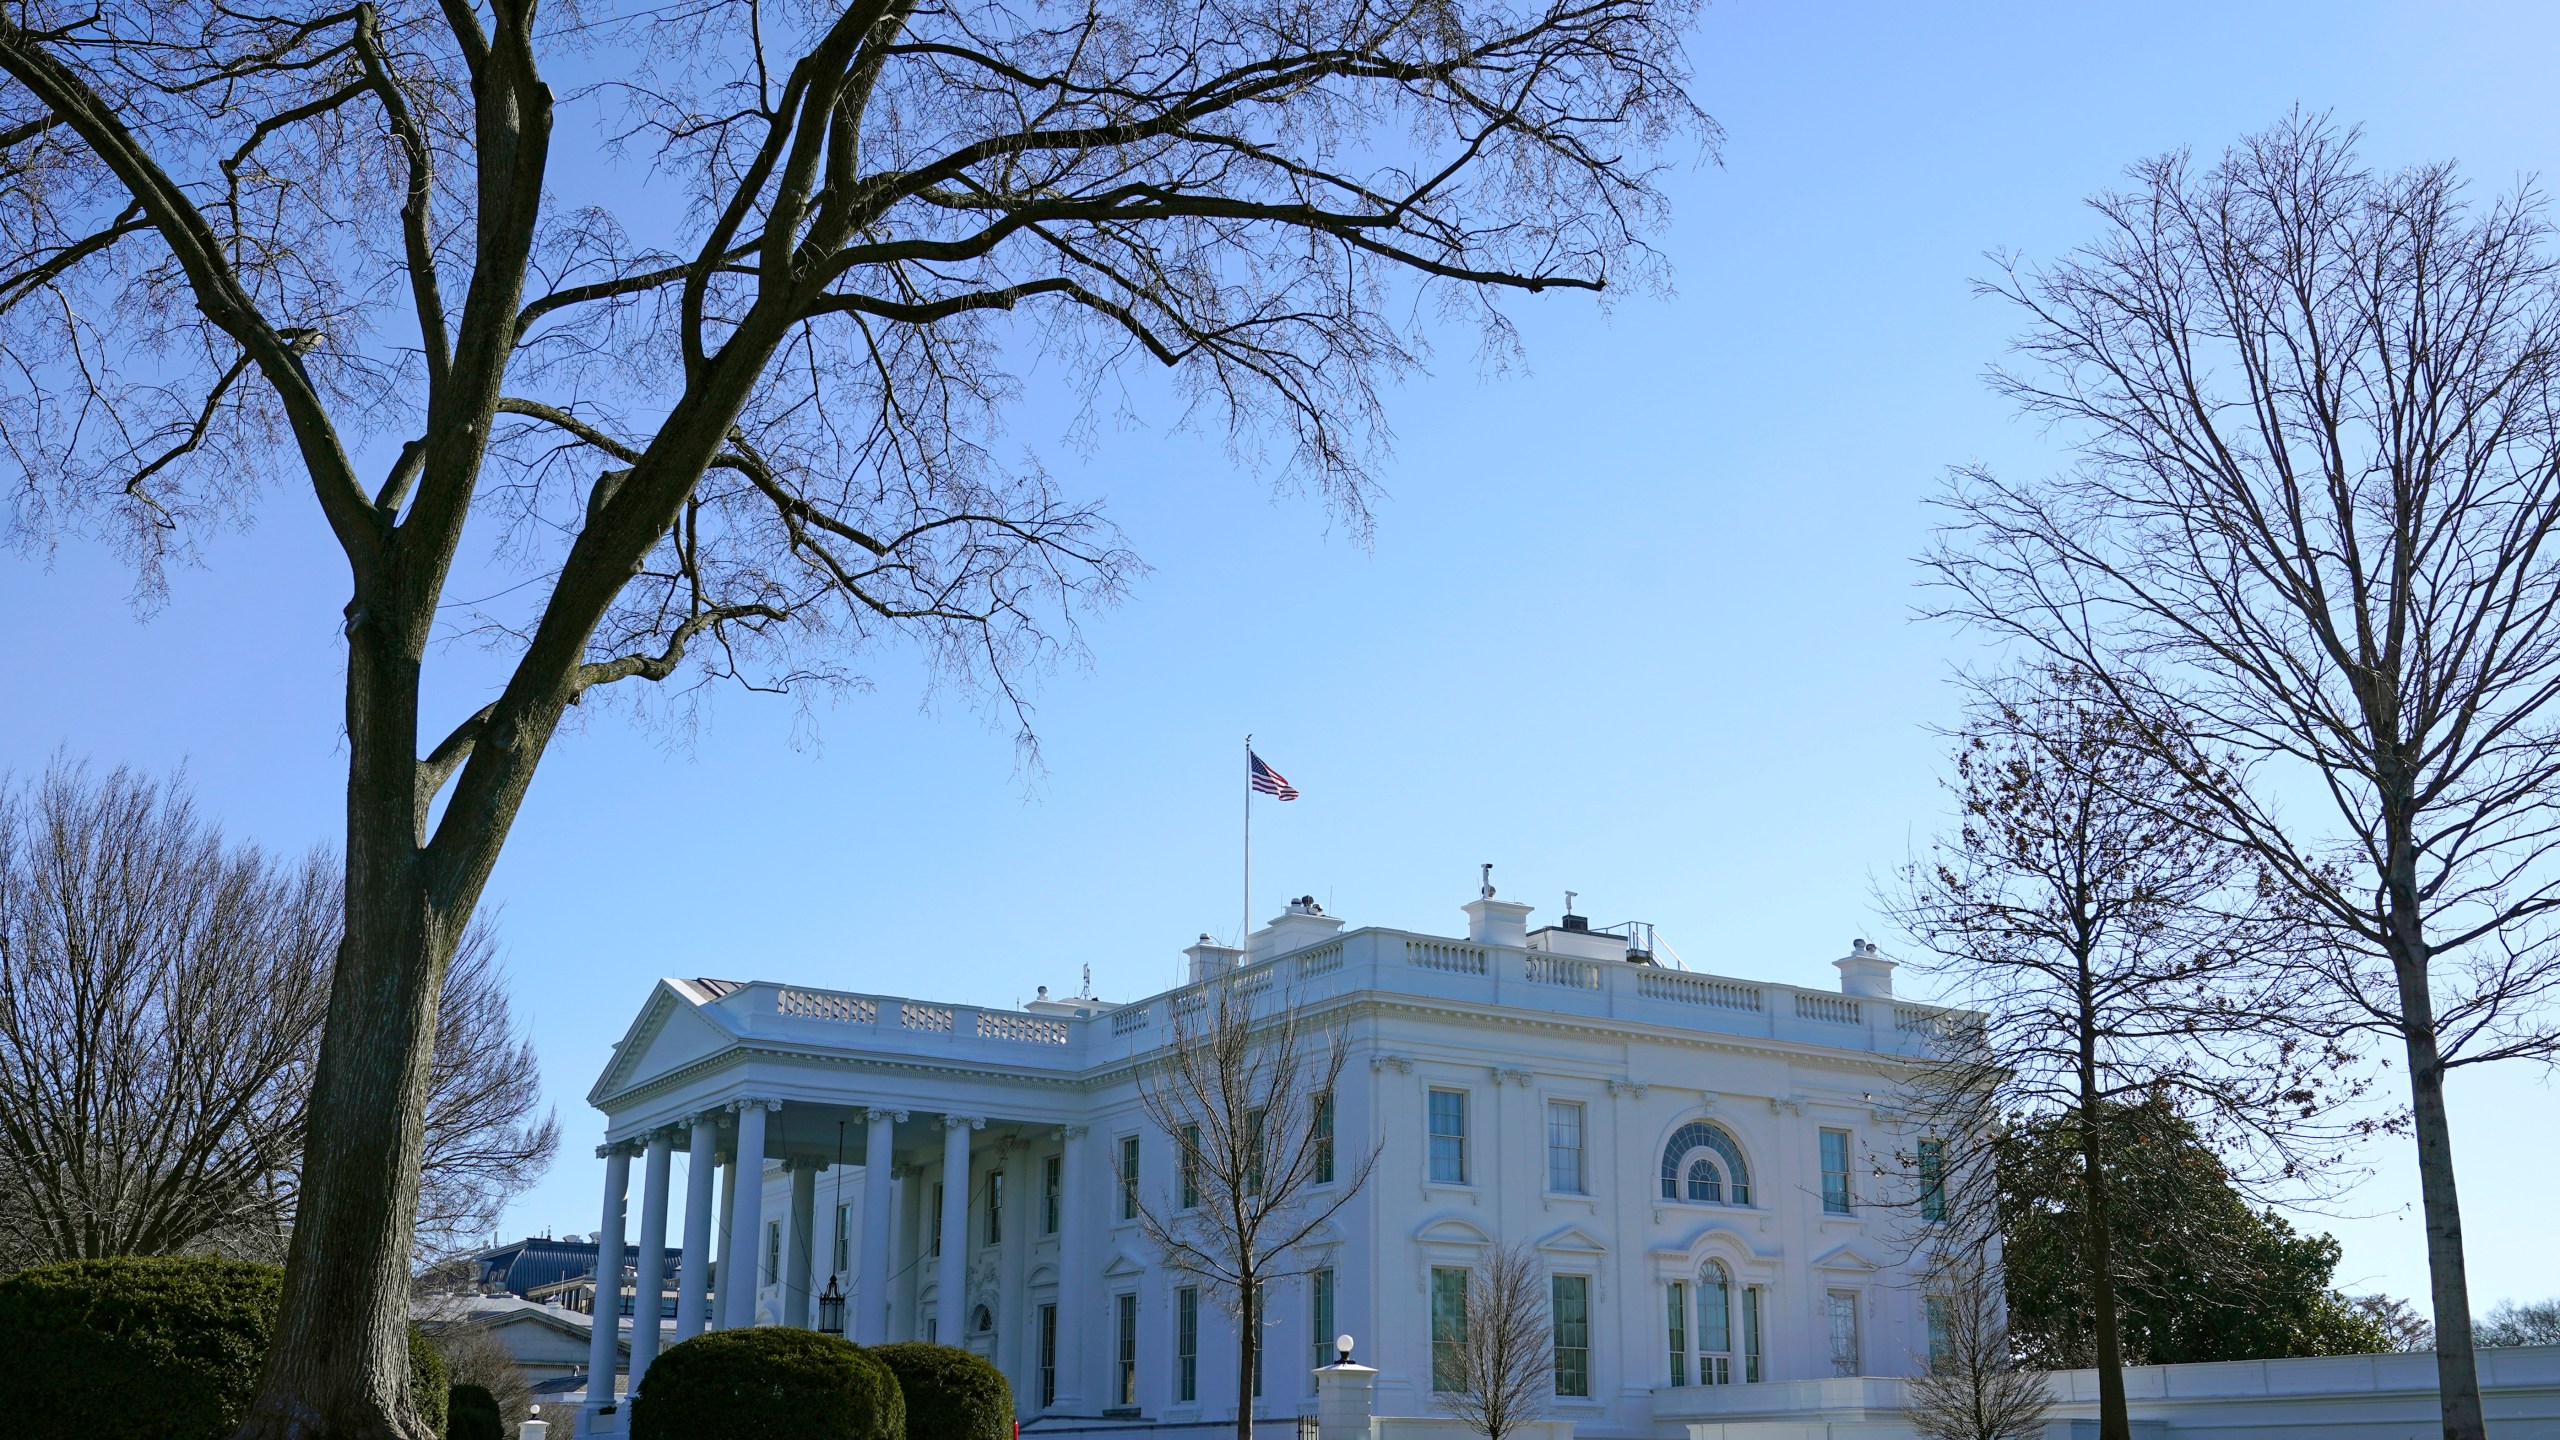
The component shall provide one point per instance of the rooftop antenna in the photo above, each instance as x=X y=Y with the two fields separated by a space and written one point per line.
x=1568 y=901
x=1087 y=992
x=1487 y=868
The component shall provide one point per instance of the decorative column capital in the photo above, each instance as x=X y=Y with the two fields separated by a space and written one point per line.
x=1403 y=1064
x=876 y=1114
x=743 y=1106
x=954 y=1122
x=1515 y=1076
x=1074 y=1132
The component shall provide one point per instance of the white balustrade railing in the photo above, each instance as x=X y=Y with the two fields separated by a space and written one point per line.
x=1322 y=960
x=915 y=1016
x=1031 y=1029
x=1562 y=970
x=1129 y=1019
x=1696 y=990
x=824 y=1005
x=1442 y=955
x=1829 y=1009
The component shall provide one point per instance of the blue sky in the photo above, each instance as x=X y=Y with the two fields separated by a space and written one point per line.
x=1638 y=621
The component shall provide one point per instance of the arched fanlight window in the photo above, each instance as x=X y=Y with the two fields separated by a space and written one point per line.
x=1715 y=1325
x=1702 y=1165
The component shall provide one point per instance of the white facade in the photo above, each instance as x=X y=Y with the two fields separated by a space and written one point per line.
x=1563 y=1069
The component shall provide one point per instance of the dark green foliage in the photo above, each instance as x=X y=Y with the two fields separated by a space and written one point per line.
x=163 y=1347
x=471 y=1413
x=951 y=1394
x=768 y=1383
x=2199 y=1274
x=426 y=1381
x=151 y=1349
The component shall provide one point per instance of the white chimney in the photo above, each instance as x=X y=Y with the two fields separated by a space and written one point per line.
x=1865 y=971
x=1302 y=924
x=1496 y=922
x=1209 y=959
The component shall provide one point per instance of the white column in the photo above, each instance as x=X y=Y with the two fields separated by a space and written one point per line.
x=604 y=1343
x=950 y=1312
x=879 y=1225
x=1073 y=1321
x=716 y=1315
x=1016 y=1355
x=796 y=1243
x=648 y=1293
x=693 y=1290
x=746 y=1217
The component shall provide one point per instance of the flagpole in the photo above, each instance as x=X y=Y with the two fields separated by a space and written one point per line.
x=1244 y=934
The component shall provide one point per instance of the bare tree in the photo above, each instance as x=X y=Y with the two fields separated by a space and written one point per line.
x=2402 y=1325
x=2114 y=953
x=1971 y=1386
x=161 y=1000
x=745 y=426
x=474 y=1355
x=1496 y=1373
x=1245 y=1086
x=2311 y=521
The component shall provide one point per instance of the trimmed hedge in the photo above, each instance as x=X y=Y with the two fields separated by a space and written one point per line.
x=161 y=1347
x=471 y=1413
x=768 y=1383
x=951 y=1394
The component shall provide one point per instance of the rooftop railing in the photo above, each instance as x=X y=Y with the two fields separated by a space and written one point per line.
x=1457 y=972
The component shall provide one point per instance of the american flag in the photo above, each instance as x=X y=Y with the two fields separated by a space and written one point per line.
x=1267 y=780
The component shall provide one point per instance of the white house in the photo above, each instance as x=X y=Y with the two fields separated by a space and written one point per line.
x=1705 y=1163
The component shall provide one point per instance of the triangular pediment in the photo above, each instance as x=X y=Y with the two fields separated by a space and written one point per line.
x=672 y=1031
x=1849 y=1258
x=1572 y=1240
x=1121 y=1264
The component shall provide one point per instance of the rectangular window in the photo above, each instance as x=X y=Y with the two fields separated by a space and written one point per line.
x=1449 y=1136
x=772 y=1251
x=1933 y=1180
x=1941 y=1344
x=1126 y=1390
x=1048 y=1356
x=995 y=1207
x=1751 y=1335
x=1448 y=1328
x=1321 y=1138
x=844 y=1239
x=1128 y=1177
x=1840 y=1310
x=1835 y=1171
x=1190 y=1167
x=1569 y=1320
x=1564 y=1148
x=937 y=1219
x=1052 y=1171
x=1186 y=1344
x=1715 y=1326
x=1320 y=1315
x=932 y=1330
x=1679 y=1312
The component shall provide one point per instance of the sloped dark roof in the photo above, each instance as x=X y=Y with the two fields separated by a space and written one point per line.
x=718 y=988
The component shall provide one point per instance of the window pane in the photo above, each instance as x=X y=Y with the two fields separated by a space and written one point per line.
x=1186 y=1344
x=1715 y=1311
x=1835 y=1171
x=1127 y=1390
x=1569 y=1318
x=1751 y=1334
x=1320 y=1315
x=937 y=1219
x=1189 y=1163
x=1706 y=1187
x=1564 y=1147
x=995 y=1207
x=1448 y=1328
x=1322 y=1138
x=1941 y=1350
x=1679 y=1333
x=1048 y=1355
x=1933 y=1180
x=844 y=1238
x=1128 y=1177
x=1050 y=1171
x=1840 y=1308
x=1449 y=1136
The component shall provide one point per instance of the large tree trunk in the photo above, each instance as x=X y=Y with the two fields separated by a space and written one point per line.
x=2449 y=1282
x=1246 y=1339
x=337 y=1368
x=2114 y=1421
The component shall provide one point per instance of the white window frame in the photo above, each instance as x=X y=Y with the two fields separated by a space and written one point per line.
x=1431 y=1136
x=1580 y=1150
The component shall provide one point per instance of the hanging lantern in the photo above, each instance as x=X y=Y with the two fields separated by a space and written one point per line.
x=831 y=1309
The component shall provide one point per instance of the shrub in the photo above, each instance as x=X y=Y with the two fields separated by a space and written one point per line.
x=471 y=1413
x=150 y=1347
x=766 y=1383
x=951 y=1394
